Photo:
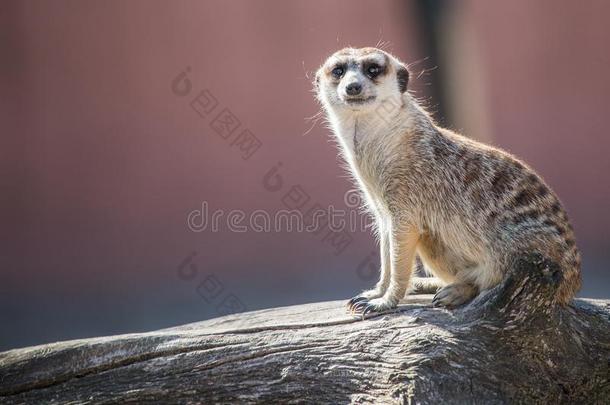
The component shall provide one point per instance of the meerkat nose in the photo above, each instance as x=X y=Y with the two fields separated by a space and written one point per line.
x=353 y=89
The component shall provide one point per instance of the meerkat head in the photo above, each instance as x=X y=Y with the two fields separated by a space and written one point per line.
x=360 y=79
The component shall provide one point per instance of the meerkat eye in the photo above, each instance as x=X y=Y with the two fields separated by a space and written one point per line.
x=373 y=70
x=338 y=72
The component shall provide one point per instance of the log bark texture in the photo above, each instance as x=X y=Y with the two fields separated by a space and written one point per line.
x=510 y=345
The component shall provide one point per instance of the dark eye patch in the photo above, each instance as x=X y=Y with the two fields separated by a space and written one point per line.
x=338 y=71
x=373 y=69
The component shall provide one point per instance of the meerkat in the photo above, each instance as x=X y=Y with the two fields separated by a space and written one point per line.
x=467 y=209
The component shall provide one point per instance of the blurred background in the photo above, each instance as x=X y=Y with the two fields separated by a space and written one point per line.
x=121 y=119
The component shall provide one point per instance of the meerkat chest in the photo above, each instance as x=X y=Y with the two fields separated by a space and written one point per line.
x=371 y=163
x=358 y=153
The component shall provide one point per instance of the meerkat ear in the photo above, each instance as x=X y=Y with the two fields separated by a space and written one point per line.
x=402 y=75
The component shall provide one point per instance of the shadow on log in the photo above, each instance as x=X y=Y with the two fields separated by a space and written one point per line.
x=509 y=345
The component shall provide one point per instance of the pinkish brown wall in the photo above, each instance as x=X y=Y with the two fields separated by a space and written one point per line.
x=102 y=162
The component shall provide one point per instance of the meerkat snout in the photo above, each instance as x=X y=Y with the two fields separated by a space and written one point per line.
x=353 y=89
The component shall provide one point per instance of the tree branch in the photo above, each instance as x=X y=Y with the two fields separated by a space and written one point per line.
x=509 y=345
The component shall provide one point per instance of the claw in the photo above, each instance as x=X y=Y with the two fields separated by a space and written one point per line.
x=369 y=308
x=353 y=301
x=359 y=306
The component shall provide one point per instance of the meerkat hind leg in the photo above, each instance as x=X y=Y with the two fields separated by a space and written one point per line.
x=425 y=285
x=455 y=294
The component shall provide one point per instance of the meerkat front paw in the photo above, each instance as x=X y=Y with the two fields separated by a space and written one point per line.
x=363 y=306
x=364 y=296
x=454 y=295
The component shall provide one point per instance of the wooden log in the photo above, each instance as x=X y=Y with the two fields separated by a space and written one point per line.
x=510 y=345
